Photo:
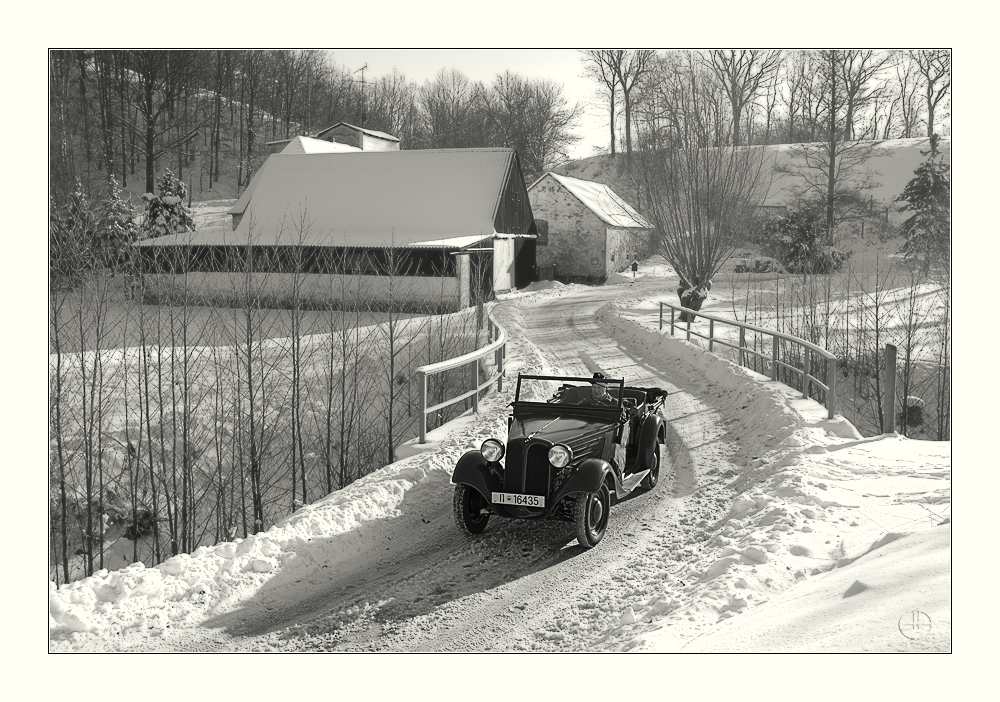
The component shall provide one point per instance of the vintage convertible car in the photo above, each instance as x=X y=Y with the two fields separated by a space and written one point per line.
x=571 y=444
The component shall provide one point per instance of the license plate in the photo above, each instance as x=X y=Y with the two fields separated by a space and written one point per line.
x=507 y=498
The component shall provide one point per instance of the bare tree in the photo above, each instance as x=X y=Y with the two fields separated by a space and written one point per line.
x=599 y=64
x=630 y=66
x=832 y=171
x=935 y=69
x=700 y=197
x=532 y=116
x=859 y=70
x=907 y=89
x=449 y=116
x=742 y=73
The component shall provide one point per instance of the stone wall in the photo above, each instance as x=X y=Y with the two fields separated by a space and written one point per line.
x=624 y=246
x=577 y=245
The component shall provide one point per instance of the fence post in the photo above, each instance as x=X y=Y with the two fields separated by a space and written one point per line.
x=503 y=360
x=671 y=321
x=423 y=407
x=774 y=358
x=831 y=382
x=805 y=374
x=743 y=343
x=889 y=425
x=661 y=316
x=711 y=334
x=689 y=328
x=475 y=386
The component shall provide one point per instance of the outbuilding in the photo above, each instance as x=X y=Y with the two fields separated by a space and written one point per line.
x=586 y=231
x=435 y=228
x=348 y=135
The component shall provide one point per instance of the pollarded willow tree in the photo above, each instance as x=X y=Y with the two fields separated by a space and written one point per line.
x=699 y=191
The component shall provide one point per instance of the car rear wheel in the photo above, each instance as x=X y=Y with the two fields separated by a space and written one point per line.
x=590 y=515
x=653 y=477
x=468 y=507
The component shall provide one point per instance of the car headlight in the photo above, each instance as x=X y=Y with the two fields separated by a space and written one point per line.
x=492 y=450
x=560 y=456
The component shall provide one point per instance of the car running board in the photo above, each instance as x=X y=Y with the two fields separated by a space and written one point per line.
x=629 y=483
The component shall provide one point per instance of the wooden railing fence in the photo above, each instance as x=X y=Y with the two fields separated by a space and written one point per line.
x=497 y=345
x=775 y=360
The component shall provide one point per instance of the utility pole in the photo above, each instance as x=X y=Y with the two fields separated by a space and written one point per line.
x=364 y=104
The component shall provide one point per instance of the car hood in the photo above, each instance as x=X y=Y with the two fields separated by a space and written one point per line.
x=559 y=429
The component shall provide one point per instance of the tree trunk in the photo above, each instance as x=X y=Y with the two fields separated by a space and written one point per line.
x=832 y=165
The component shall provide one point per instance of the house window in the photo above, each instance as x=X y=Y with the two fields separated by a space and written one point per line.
x=542 y=227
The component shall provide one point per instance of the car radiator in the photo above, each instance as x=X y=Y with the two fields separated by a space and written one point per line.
x=527 y=477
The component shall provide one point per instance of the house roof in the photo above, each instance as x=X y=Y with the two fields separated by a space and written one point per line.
x=601 y=200
x=441 y=198
x=309 y=145
x=369 y=132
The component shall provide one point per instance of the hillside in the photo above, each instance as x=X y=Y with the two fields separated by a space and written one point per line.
x=889 y=168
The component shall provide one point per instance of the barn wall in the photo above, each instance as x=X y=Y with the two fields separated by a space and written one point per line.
x=344 y=135
x=577 y=244
x=371 y=143
x=514 y=215
x=503 y=265
x=623 y=246
x=314 y=288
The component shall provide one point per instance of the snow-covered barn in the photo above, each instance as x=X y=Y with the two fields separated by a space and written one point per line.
x=348 y=135
x=585 y=229
x=450 y=223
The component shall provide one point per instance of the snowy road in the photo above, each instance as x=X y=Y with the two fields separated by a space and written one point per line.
x=768 y=519
x=521 y=586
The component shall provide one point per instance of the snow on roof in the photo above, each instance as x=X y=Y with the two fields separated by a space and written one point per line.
x=388 y=198
x=309 y=145
x=601 y=200
x=369 y=132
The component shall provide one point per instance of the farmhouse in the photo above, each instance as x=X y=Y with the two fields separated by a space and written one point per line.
x=585 y=229
x=436 y=228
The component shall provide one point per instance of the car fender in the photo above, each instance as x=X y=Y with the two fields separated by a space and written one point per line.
x=473 y=470
x=587 y=477
x=648 y=438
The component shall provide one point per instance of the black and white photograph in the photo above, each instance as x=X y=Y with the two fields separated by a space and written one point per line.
x=499 y=350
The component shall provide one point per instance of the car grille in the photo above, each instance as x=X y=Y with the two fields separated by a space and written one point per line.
x=529 y=477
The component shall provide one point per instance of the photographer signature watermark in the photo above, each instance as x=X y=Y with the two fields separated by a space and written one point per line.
x=915 y=624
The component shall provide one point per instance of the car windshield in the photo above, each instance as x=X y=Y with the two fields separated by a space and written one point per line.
x=581 y=392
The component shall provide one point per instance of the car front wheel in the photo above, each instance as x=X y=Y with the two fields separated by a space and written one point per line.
x=469 y=506
x=653 y=477
x=591 y=516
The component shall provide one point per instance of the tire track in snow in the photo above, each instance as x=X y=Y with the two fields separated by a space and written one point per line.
x=562 y=597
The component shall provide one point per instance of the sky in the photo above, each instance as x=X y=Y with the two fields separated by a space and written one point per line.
x=561 y=65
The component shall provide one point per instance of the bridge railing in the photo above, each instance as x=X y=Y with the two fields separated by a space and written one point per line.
x=497 y=346
x=774 y=359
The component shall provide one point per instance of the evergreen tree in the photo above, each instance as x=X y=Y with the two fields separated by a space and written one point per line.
x=928 y=196
x=118 y=229
x=71 y=229
x=167 y=212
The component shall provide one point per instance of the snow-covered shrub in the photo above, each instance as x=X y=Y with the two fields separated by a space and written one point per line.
x=795 y=239
x=166 y=212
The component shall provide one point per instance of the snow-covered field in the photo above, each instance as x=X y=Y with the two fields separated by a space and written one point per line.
x=775 y=529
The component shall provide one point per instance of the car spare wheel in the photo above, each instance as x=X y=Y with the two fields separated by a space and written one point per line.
x=590 y=515
x=470 y=509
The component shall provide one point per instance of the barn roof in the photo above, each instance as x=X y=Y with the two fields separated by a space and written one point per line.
x=369 y=132
x=601 y=200
x=309 y=145
x=442 y=197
